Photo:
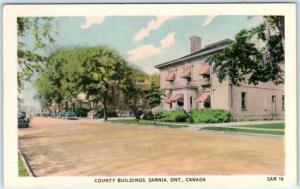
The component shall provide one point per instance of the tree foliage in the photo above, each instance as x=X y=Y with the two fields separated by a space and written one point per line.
x=137 y=89
x=153 y=96
x=34 y=34
x=131 y=96
x=254 y=56
x=91 y=70
x=50 y=83
x=102 y=69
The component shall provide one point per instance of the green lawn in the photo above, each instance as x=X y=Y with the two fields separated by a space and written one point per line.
x=22 y=170
x=142 y=122
x=266 y=126
x=244 y=130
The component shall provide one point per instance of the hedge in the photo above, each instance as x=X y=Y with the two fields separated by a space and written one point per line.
x=148 y=116
x=110 y=113
x=196 y=116
x=174 y=116
x=210 y=116
x=81 y=112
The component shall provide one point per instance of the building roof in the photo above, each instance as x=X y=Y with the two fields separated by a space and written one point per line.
x=208 y=49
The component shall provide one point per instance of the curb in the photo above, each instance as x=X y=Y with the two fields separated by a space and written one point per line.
x=26 y=164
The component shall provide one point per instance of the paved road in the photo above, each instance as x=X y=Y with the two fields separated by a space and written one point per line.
x=84 y=148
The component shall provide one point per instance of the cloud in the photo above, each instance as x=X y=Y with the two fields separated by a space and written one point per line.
x=142 y=52
x=146 y=51
x=168 y=40
x=208 y=20
x=90 y=20
x=154 y=24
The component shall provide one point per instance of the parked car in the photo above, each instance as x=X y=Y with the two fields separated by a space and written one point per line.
x=46 y=114
x=70 y=116
x=54 y=114
x=23 y=120
x=61 y=115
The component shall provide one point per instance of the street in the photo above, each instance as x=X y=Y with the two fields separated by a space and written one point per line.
x=55 y=147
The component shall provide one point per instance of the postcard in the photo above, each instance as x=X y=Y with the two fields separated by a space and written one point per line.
x=149 y=95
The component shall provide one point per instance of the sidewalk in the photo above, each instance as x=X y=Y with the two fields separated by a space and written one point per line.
x=200 y=125
x=227 y=124
x=108 y=119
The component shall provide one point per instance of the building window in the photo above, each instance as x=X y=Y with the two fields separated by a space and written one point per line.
x=189 y=79
x=180 y=103
x=206 y=104
x=274 y=105
x=191 y=102
x=273 y=98
x=282 y=103
x=244 y=101
x=206 y=77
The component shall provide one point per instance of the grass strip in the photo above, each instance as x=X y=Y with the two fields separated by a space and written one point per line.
x=244 y=130
x=265 y=126
x=22 y=169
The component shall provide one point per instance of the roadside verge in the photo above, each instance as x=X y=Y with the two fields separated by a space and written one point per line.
x=25 y=163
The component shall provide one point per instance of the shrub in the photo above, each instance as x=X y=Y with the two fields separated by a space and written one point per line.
x=159 y=113
x=210 y=116
x=148 y=116
x=174 y=116
x=81 y=112
x=110 y=112
x=138 y=113
x=177 y=108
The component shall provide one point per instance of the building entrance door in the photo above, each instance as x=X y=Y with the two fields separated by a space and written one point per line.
x=273 y=105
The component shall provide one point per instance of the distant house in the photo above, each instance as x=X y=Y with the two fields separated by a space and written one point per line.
x=190 y=84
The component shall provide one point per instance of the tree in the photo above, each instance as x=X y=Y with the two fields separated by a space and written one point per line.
x=45 y=90
x=154 y=78
x=134 y=91
x=153 y=96
x=134 y=94
x=67 y=68
x=34 y=34
x=91 y=70
x=49 y=89
x=131 y=96
x=94 y=71
x=254 y=56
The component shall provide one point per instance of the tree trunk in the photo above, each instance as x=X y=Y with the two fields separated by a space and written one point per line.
x=154 y=117
x=66 y=104
x=104 y=109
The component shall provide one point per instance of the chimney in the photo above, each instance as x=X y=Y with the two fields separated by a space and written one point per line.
x=195 y=43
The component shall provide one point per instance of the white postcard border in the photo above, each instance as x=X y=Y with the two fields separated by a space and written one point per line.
x=11 y=12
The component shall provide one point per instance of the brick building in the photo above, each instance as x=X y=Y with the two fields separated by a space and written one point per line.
x=190 y=84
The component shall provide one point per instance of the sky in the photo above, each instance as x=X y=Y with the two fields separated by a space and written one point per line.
x=144 y=41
